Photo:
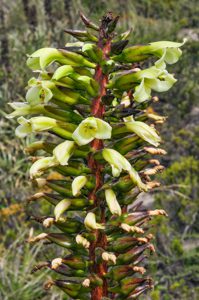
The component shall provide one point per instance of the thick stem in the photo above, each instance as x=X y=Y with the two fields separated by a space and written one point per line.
x=97 y=110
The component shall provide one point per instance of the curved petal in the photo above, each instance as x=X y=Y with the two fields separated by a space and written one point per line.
x=90 y=222
x=137 y=180
x=103 y=130
x=41 y=165
x=61 y=207
x=42 y=123
x=144 y=131
x=165 y=44
x=77 y=184
x=23 y=130
x=117 y=161
x=142 y=92
x=62 y=71
x=112 y=202
x=163 y=84
x=63 y=152
x=33 y=95
x=85 y=132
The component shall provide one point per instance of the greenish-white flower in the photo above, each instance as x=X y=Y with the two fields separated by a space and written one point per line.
x=61 y=207
x=91 y=128
x=82 y=241
x=35 y=124
x=61 y=155
x=112 y=202
x=169 y=52
x=143 y=130
x=23 y=109
x=41 y=165
x=90 y=222
x=77 y=184
x=39 y=92
x=63 y=152
x=43 y=57
x=118 y=163
x=162 y=83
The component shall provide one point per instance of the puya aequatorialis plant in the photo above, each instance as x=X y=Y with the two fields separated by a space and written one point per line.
x=93 y=97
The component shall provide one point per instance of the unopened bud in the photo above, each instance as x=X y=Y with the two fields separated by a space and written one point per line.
x=153 y=184
x=152 y=248
x=81 y=240
x=150 y=236
x=154 y=161
x=155 y=99
x=37 y=238
x=149 y=172
x=142 y=240
x=158 y=212
x=141 y=270
x=129 y=228
x=86 y=282
x=48 y=222
x=40 y=182
x=56 y=263
x=35 y=197
x=155 y=151
x=107 y=256
x=48 y=284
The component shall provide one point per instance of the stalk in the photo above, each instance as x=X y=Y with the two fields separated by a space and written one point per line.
x=98 y=159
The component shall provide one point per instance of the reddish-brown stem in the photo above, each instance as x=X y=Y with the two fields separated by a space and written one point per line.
x=97 y=110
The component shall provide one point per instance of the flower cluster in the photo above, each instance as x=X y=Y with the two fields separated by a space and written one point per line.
x=91 y=99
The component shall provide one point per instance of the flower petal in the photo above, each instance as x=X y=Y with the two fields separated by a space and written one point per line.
x=61 y=207
x=77 y=184
x=85 y=132
x=90 y=222
x=63 y=152
x=142 y=92
x=103 y=130
x=117 y=161
x=62 y=71
x=42 y=123
x=112 y=202
x=137 y=180
x=41 y=165
x=163 y=84
x=23 y=130
x=144 y=131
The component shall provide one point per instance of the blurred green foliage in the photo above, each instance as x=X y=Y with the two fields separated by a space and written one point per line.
x=27 y=25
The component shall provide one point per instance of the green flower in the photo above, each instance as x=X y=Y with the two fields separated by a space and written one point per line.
x=112 y=202
x=23 y=109
x=41 y=165
x=118 y=163
x=35 y=124
x=144 y=81
x=91 y=128
x=143 y=130
x=77 y=184
x=63 y=152
x=169 y=52
x=46 y=56
x=39 y=92
x=162 y=83
x=61 y=155
x=90 y=222
x=61 y=207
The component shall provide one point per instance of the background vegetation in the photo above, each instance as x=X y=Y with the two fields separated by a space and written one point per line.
x=26 y=25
